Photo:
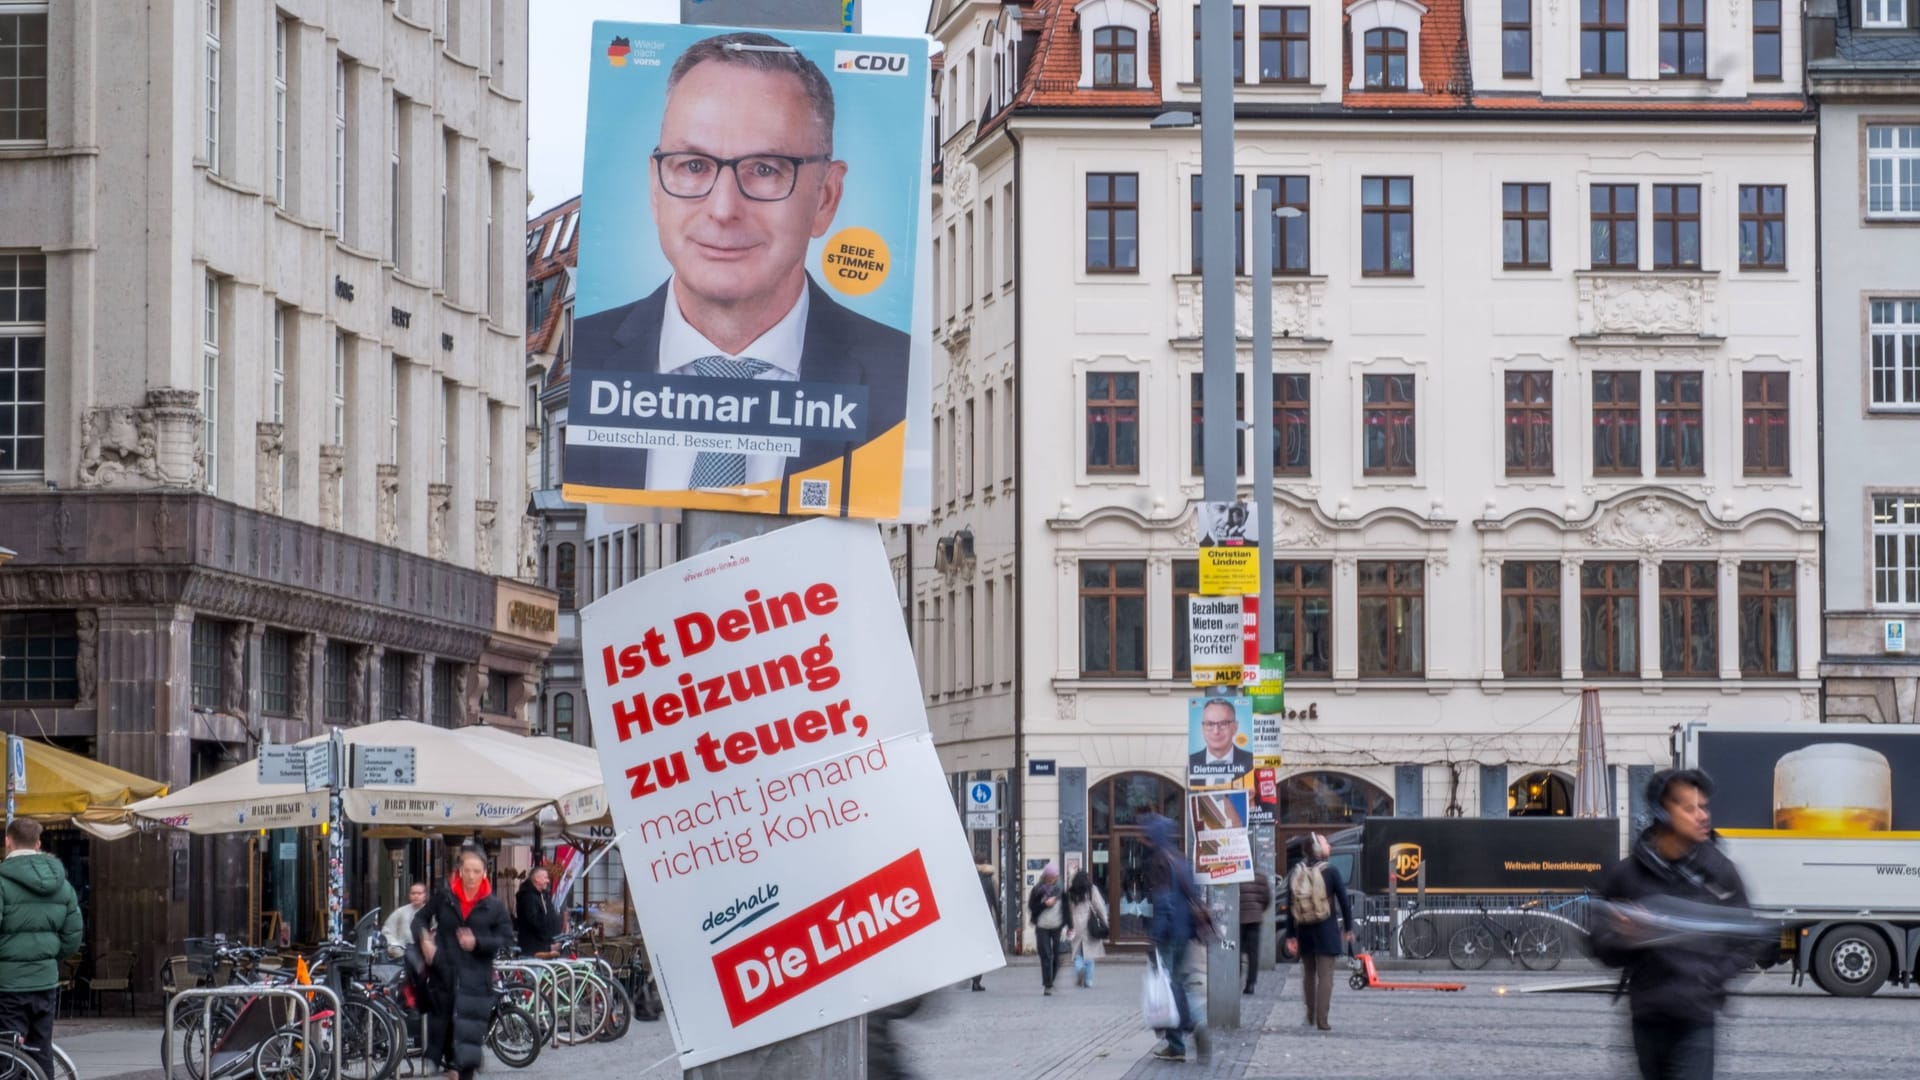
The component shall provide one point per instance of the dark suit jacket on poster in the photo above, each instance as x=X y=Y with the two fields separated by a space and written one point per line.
x=1197 y=766
x=841 y=346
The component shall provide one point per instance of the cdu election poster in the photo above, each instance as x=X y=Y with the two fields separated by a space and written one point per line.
x=793 y=850
x=753 y=323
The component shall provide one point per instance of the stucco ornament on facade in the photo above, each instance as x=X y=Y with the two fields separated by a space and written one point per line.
x=1650 y=523
x=157 y=444
x=270 y=444
x=1296 y=308
x=484 y=512
x=333 y=462
x=86 y=657
x=439 y=502
x=529 y=549
x=1638 y=304
x=386 y=479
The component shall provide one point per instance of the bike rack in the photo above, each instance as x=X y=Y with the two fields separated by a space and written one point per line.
x=546 y=988
x=296 y=995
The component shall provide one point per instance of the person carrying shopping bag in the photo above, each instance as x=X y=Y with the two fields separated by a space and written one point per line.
x=1086 y=927
x=1047 y=910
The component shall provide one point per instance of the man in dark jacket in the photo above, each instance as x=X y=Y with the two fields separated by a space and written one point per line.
x=1175 y=898
x=535 y=922
x=1676 y=988
x=39 y=924
x=1256 y=897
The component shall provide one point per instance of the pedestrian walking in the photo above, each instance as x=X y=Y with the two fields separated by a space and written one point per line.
x=535 y=921
x=398 y=930
x=39 y=924
x=1256 y=897
x=1674 y=988
x=1086 y=927
x=1179 y=918
x=1048 y=913
x=460 y=931
x=1319 y=926
x=992 y=894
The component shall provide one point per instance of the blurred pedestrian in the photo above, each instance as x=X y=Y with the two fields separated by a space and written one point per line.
x=1256 y=897
x=1319 y=926
x=1179 y=918
x=1086 y=927
x=398 y=930
x=1676 y=987
x=1048 y=914
x=460 y=931
x=39 y=925
x=992 y=893
x=535 y=920
x=886 y=1059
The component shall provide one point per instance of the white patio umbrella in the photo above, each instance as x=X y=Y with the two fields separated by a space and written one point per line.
x=1590 y=785
x=580 y=795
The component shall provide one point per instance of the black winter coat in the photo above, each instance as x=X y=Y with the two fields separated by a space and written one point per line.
x=1674 y=981
x=535 y=922
x=1323 y=938
x=462 y=981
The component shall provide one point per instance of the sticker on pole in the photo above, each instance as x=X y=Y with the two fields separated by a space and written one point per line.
x=792 y=847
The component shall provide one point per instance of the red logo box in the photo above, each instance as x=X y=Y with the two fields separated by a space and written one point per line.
x=833 y=935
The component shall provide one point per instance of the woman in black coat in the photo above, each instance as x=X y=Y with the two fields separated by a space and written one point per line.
x=459 y=932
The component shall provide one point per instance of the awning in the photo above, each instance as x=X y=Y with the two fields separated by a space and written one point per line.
x=62 y=785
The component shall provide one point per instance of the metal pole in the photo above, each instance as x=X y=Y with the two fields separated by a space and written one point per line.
x=1219 y=429
x=336 y=837
x=1263 y=436
x=13 y=782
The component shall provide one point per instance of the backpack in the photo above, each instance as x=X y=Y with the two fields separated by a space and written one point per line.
x=1309 y=888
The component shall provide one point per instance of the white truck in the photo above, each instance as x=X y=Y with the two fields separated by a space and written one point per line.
x=1823 y=821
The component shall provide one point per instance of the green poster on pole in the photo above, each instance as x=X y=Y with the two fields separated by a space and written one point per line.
x=1269 y=694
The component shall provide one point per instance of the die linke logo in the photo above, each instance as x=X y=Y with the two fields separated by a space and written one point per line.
x=831 y=936
x=870 y=63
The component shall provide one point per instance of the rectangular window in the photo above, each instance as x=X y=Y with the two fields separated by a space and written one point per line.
x=988 y=233
x=938 y=297
x=1113 y=58
x=1007 y=240
x=1525 y=233
x=210 y=381
x=1392 y=619
x=1113 y=423
x=1893 y=170
x=1284 y=41
x=23 y=74
x=1292 y=425
x=1239 y=225
x=1113 y=223
x=1763 y=227
x=277 y=403
x=209 y=648
x=1883 y=14
x=23 y=362
x=337 y=682
x=565 y=575
x=340 y=170
x=1896 y=550
x=1766 y=40
x=1529 y=423
x=338 y=427
x=276 y=673
x=1113 y=618
x=393 y=686
x=280 y=112
x=39 y=653
x=1764 y=437
x=1603 y=39
x=1766 y=618
x=449 y=418
x=210 y=93
x=966 y=273
x=449 y=209
x=1530 y=619
x=1616 y=423
x=1689 y=619
x=1186 y=584
x=1387 y=425
x=1303 y=616
x=1683 y=39
x=1196 y=398
x=494 y=694
x=1386 y=226
x=396 y=184
x=989 y=417
x=1894 y=331
x=1610 y=618
x=396 y=379
x=1291 y=250
x=1615 y=222
x=969 y=443
x=446 y=702
x=1516 y=38
x=1385 y=53
x=1676 y=226
x=1679 y=439
x=1239 y=44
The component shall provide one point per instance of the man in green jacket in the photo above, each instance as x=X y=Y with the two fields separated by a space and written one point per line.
x=39 y=924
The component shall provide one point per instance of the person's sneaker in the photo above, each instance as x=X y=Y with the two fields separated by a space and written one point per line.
x=1168 y=1053
x=1047 y=991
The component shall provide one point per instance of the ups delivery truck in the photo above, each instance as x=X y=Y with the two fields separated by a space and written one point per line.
x=1823 y=821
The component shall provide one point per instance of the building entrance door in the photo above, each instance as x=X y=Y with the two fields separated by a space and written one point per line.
x=1117 y=809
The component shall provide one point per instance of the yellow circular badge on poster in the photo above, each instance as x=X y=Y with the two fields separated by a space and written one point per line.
x=855 y=261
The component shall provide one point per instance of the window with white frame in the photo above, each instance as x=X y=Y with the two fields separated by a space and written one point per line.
x=1893 y=170
x=340 y=148
x=23 y=73
x=1894 y=332
x=449 y=156
x=449 y=401
x=1883 y=14
x=338 y=428
x=280 y=112
x=210 y=94
x=277 y=406
x=1398 y=57
x=23 y=356
x=394 y=199
x=1896 y=550
x=487 y=269
x=210 y=380
x=396 y=378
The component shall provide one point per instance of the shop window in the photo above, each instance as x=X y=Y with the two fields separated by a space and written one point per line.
x=38 y=652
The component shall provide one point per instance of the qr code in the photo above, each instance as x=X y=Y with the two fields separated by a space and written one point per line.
x=813 y=494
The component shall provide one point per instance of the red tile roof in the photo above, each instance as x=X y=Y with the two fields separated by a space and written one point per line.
x=1053 y=76
x=542 y=265
x=1445 y=77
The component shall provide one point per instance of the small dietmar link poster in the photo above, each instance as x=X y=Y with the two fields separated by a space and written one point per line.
x=792 y=846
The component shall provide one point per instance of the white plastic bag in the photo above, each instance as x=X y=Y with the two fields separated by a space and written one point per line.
x=1156 y=997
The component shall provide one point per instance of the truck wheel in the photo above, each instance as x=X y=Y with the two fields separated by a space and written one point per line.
x=1852 y=961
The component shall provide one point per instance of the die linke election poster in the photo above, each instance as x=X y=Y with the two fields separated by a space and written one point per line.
x=754 y=311
x=792 y=846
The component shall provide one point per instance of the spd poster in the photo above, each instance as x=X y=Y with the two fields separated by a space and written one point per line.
x=754 y=328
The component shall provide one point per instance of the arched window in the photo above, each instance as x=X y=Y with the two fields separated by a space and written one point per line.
x=1117 y=812
x=1386 y=58
x=1113 y=58
x=563 y=716
x=1329 y=799
x=1540 y=794
x=564 y=576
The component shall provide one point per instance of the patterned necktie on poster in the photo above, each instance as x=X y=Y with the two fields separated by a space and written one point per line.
x=712 y=469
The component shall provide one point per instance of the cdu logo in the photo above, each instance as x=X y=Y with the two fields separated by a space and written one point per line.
x=869 y=63
x=1403 y=861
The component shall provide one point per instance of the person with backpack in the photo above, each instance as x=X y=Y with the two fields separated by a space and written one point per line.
x=1313 y=930
x=1086 y=927
x=1179 y=918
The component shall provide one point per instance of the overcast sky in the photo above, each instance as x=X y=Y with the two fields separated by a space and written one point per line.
x=557 y=53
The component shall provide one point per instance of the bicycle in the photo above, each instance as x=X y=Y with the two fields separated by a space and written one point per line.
x=1537 y=947
x=17 y=1064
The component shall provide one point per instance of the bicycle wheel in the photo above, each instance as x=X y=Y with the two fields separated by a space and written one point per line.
x=1419 y=937
x=1470 y=948
x=16 y=1065
x=63 y=1066
x=371 y=1042
x=513 y=1036
x=582 y=1016
x=285 y=1055
x=1540 y=948
x=619 y=1014
x=190 y=1033
x=524 y=998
